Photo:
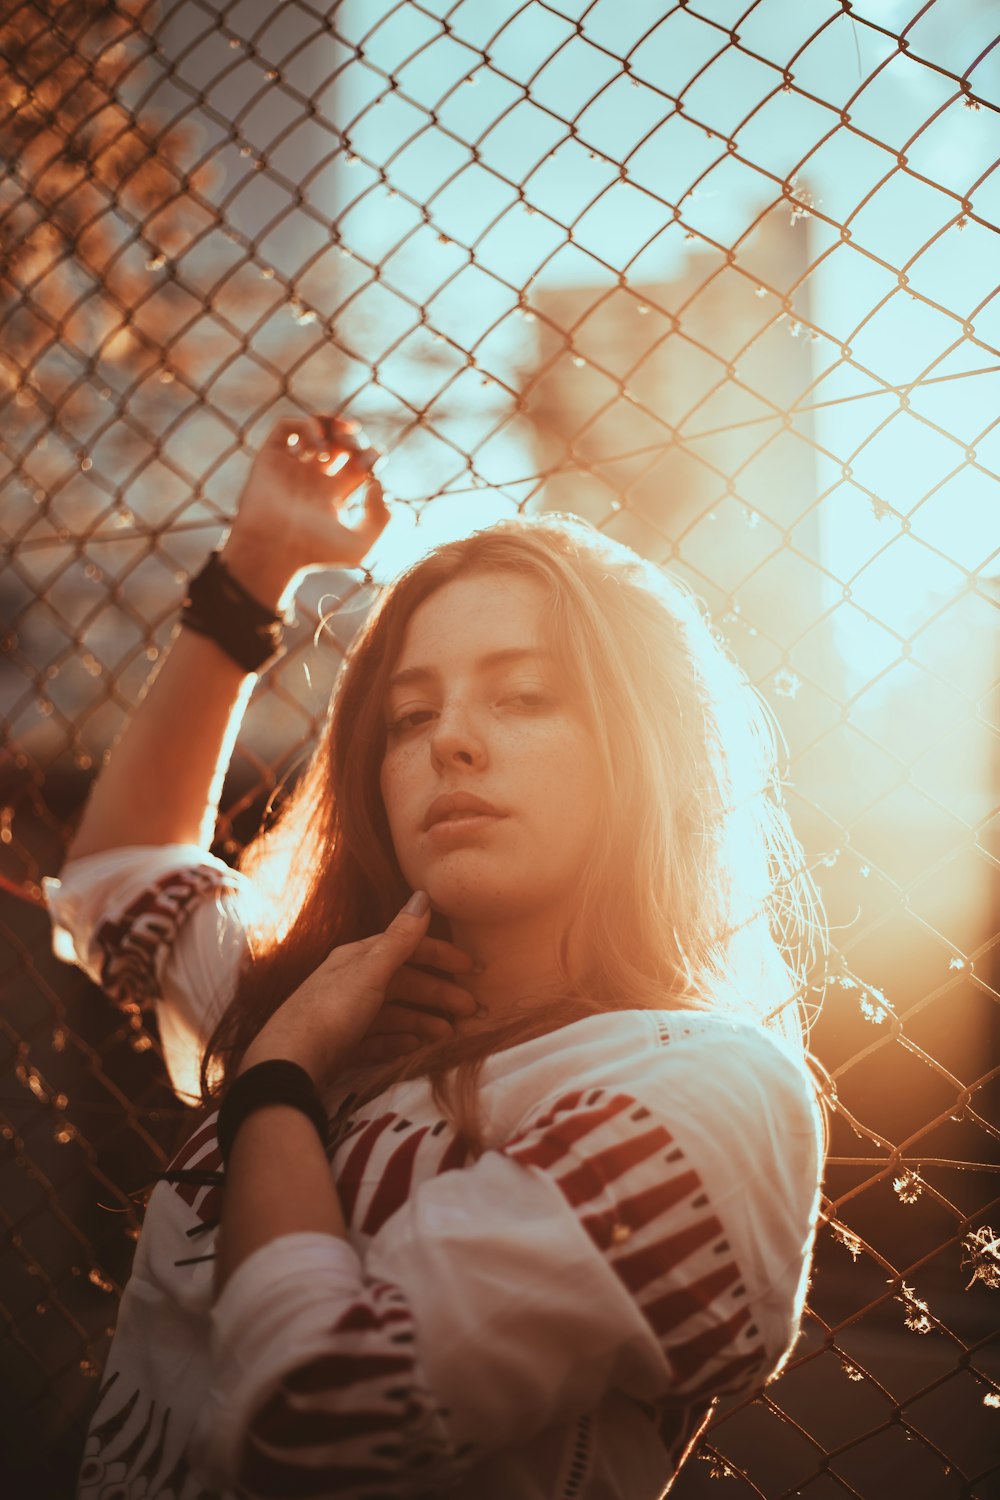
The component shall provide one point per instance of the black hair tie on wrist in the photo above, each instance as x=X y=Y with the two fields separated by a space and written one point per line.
x=219 y=607
x=277 y=1081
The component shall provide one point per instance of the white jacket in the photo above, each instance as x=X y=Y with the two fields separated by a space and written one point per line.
x=550 y=1322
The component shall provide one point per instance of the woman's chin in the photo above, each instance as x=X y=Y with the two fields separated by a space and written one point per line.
x=469 y=909
x=472 y=901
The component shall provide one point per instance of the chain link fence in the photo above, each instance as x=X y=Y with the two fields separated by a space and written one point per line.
x=720 y=277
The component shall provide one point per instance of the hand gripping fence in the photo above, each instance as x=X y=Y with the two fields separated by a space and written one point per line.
x=719 y=276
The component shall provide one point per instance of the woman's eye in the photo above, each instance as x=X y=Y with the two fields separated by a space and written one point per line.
x=416 y=716
x=406 y=721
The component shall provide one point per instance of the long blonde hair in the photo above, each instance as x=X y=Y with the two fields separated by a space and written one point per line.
x=697 y=895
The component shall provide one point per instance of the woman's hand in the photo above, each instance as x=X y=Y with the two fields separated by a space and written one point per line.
x=340 y=1014
x=419 y=1008
x=287 y=521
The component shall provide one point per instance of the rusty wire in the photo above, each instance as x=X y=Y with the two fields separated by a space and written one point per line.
x=216 y=213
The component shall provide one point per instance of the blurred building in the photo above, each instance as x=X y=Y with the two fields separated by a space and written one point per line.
x=674 y=405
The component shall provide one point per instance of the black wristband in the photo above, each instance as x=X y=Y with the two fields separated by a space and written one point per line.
x=219 y=607
x=277 y=1081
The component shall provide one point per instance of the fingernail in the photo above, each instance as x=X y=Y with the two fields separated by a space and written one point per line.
x=418 y=904
x=478 y=968
x=481 y=1010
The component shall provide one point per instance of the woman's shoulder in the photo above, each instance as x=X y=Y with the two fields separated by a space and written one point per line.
x=730 y=1076
x=711 y=1074
x=660 y=1042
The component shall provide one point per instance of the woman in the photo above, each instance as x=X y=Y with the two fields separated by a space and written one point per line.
x=525 y=932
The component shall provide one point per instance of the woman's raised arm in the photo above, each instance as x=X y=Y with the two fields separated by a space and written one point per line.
x=164 y=777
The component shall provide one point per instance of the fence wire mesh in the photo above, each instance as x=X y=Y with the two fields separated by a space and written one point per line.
x=719 y=277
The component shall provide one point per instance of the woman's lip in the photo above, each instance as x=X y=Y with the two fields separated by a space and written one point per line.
x=467 y=823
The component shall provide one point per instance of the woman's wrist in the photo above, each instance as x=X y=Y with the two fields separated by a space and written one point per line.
x=264 y=1049
x=323 y=1064
x=260 y=569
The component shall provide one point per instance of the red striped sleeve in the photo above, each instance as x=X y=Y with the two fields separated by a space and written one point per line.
x=663 y=1241
x=356 y=1420
x=132 y=945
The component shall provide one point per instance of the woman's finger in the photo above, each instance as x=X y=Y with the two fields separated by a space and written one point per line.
x=344 y=432
x=438 y=953
x=339 y=440
x=387 y=951
x=409 y=984
x=286 y=432
x=312 y=441
x=349 y=468
x=395 y=1018
x=374 y=520
x=334 y=428
x=335 y=458
x=375 y=1049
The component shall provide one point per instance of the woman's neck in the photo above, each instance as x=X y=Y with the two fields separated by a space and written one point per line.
x=519 y=964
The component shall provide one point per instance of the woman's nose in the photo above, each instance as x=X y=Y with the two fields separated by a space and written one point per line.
x=457 y=739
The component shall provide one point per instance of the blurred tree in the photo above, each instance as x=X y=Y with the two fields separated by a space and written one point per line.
x=94 y=196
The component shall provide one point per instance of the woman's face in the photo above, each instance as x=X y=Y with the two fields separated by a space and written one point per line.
x=475 y=706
